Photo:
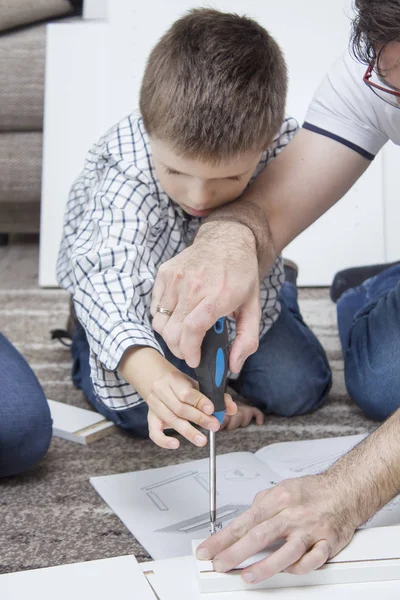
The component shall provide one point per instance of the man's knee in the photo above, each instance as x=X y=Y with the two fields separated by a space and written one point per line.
x=373 y=392
x=26 y=437
x=372 y=363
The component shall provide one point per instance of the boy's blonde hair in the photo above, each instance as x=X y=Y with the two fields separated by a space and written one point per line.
x=214 y=86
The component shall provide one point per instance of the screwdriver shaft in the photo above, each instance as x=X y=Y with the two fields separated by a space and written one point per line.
x=213 y=484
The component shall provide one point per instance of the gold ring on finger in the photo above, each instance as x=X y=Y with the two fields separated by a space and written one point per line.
x=164 y=311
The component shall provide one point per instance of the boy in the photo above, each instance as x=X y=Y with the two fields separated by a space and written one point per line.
x=212 y=107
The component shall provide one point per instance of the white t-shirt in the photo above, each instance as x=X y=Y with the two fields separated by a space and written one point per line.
x=345 y=109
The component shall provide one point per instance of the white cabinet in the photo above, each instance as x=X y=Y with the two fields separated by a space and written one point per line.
x=95 y=9
x=76 y=108
x=391 y=205
x=99 y=66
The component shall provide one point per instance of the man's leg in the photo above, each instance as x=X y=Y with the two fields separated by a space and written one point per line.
x=25 y=421
x=289 y=374
x=354 y=277
x=133 y=419
x=369 y=328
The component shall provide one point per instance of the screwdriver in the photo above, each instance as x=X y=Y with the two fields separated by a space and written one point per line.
x=211 y=375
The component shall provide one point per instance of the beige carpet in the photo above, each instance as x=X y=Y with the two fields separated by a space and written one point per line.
x=52 y=515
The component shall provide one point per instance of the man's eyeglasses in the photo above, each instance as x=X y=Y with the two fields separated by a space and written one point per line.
x=372 y=80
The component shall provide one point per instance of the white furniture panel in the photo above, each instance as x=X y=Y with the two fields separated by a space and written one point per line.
x=76 y=106
x=391 y=158
x=165 y=573
x=78 y=424
x=95 y=9
x=371 y=556
x=97 y=579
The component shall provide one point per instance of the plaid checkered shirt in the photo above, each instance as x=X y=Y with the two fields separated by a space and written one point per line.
x=119 y=227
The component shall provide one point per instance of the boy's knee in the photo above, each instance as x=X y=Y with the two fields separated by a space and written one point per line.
x=295 y=394
x=25 y=439
x=304 y=397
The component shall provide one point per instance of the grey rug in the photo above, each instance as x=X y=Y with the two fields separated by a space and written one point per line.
x=52 y=515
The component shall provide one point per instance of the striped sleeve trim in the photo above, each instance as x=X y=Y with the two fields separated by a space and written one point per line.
x=339 y=139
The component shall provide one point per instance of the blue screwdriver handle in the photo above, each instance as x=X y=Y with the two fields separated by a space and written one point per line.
x=213 y=368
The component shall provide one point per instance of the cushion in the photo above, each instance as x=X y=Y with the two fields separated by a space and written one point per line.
x=20 y=217
x=15 y=13
x=22 y=62
x=20 y=167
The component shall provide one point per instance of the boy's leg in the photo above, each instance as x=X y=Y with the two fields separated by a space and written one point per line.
x=369 y=327
x=289 y=374
x=133 y=419
x=25 y=421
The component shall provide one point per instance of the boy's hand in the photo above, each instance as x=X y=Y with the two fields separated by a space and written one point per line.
x=243 y=417
x=173 y=398
x=173 y=401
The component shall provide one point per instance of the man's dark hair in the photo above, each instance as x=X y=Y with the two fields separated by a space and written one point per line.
x=214 y=86
x=377 y=23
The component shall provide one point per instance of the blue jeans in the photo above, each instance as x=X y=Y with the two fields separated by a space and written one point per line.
x=369 y=329
x=288 y=375
x=25 y=422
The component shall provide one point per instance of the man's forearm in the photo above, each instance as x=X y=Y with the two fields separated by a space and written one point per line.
x=368 y=477
x=245 y=229
x=249 y=216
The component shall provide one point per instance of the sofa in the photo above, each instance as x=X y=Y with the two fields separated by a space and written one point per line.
x=22 y=66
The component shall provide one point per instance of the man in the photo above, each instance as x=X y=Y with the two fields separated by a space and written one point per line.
x=354 y=112
x=25 y=419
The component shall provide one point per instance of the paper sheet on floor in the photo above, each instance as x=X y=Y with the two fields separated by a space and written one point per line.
x=166 y=508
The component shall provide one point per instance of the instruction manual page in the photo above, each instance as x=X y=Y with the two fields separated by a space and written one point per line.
x=166 y=508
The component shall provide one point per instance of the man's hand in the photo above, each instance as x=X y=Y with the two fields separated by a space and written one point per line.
x=217 y=276
x=310 y=513
x=316 y=515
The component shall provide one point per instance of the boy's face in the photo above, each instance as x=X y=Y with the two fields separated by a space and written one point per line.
x=200 y=187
